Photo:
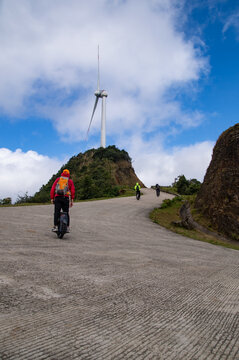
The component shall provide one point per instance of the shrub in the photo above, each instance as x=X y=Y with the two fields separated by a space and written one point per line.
x=167 y=202
x=6 y=201
x=186 y=187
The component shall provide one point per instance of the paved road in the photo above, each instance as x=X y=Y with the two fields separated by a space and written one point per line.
x=117 y=287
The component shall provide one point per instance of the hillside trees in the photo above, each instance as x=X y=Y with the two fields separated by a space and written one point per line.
x=186 y=187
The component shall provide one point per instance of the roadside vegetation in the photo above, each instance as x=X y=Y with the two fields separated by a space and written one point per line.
x=168 y=214
x=24 y=201
x=182 y=186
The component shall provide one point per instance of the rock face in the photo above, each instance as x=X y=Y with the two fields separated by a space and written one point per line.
x=218 y=198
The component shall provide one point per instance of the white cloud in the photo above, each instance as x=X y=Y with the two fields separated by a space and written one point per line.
x=232 y=21
x=50 y=49
x=153 y=164
x=24 y=172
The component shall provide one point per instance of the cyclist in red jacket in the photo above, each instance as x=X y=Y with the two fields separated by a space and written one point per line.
x=62 y=195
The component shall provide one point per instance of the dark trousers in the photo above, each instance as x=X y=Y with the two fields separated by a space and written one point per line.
x=61 y=202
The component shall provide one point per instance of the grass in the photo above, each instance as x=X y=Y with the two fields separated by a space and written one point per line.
x=169 y=190
x=169 y=213
x=127 y=193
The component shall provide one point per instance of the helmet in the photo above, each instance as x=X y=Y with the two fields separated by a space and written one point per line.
x=66 y=171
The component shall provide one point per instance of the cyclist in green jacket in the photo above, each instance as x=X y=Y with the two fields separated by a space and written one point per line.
x=137 y=189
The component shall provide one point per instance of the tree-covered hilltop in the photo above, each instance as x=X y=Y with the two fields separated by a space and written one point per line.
x=96 y=173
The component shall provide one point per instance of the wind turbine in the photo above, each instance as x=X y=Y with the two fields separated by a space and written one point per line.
x=103 y=95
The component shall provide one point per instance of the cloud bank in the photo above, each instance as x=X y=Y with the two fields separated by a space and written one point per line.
x=154 y=164
x=24 y=172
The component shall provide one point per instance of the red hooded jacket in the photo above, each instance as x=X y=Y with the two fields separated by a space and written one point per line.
x=70 y=185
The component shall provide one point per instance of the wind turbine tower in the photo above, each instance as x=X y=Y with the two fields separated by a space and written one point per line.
x=100 y=94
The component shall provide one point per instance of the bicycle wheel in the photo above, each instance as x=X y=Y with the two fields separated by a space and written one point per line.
x=62 y=227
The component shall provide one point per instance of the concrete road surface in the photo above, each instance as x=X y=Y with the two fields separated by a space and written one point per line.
x=117 y=287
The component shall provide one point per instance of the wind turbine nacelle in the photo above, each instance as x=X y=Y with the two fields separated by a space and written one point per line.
x=101 y=93
x=97 y=93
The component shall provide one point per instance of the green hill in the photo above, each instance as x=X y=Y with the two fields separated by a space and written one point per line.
x=96 y=173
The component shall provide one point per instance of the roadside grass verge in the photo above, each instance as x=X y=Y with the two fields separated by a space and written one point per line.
x=169 y=190
x=127 y=193
x=169 y=213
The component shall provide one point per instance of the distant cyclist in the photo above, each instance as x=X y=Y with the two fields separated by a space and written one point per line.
x=157 y=188
x=62 y=195
x=137 y=189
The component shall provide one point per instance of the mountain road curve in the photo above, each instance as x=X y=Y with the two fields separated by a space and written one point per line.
x=117 y=287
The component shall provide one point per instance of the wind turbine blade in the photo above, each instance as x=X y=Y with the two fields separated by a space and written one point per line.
x=98 y=81
x=96 y=101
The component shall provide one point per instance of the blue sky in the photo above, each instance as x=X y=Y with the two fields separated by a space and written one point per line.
x=170 y=68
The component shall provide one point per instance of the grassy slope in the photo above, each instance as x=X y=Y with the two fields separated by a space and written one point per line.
x=167 y=215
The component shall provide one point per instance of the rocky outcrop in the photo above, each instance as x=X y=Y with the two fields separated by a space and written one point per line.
x=124 y=174
x=186 y=217
x=218 y=198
